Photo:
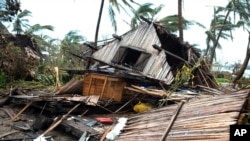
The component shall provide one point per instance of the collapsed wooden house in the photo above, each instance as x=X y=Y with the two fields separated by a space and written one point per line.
x=144 y=56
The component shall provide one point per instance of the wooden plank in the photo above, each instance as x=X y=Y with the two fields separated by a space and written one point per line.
x=104 y=85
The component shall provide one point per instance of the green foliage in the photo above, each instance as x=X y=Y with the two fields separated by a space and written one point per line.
x=115 y=6
x=171 y=23
x=2 y=79
x=184 y=75
x=222 y=80
x=72 y=43
x=46 y=79
x=246 y=119
x=21 y=22
x=34 y=85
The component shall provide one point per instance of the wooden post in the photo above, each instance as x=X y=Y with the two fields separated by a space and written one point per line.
x=103 y=87
x=172 y=121
x=58 y=84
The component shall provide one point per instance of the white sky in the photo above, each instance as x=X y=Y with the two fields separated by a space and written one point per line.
x=66 y=15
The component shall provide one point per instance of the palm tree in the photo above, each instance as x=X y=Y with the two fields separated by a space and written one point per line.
x=239 y=7
x=243 y=67
x=98 y=22
x=35 y=31
x=113 y=4
x=8 y=9
x=21 y=22
x=118 y=6
x=146 y=11
x=218 y=25
x=72 y=43
x=171 y=23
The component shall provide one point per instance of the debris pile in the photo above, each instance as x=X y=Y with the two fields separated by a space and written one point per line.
x=143 y=85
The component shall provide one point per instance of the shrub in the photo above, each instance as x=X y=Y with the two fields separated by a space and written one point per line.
x=2 y=79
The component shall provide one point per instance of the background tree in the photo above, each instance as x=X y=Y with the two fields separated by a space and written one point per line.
x=113 y=6
x=20 y=21
x=237 y=7
x=243 y=67
x=180 y=20
x=218 y=25
x=8 y=9
x=71 y=43
x=171 y=23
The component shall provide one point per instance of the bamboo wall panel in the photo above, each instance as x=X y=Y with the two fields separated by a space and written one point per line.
x=205 y=119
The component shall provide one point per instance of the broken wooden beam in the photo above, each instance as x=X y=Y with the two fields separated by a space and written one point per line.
x=170 y=53
x=117 y=37
x=8 y=133
x=54 y=125
x=20 y=112
x=88 y=44
x=172 y=121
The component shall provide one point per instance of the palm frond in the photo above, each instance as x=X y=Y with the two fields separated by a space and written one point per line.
x=37 y=28
x=114 y=3
x=112 y=17
x=24 y=13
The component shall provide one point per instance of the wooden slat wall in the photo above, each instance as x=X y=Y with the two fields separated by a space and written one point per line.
x=113 y=88
x=143 y=37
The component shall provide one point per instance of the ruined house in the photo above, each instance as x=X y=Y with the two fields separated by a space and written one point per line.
x=147 y=53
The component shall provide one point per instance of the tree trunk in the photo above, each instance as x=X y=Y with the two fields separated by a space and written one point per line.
x=180 y=23
x=97 y=31
x=240 y=73
x=98 y=22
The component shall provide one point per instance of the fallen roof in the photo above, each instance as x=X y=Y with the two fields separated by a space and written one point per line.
x=208 y=118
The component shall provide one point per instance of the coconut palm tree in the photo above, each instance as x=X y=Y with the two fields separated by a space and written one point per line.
x=8 y=9
x=237 y=7
x=218 y=25
x=73 y=43
x=21 y=22
x=171 y=23
x=243 y=67
x=113 y=4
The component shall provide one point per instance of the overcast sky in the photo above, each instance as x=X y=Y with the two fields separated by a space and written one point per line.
x=81 y=15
